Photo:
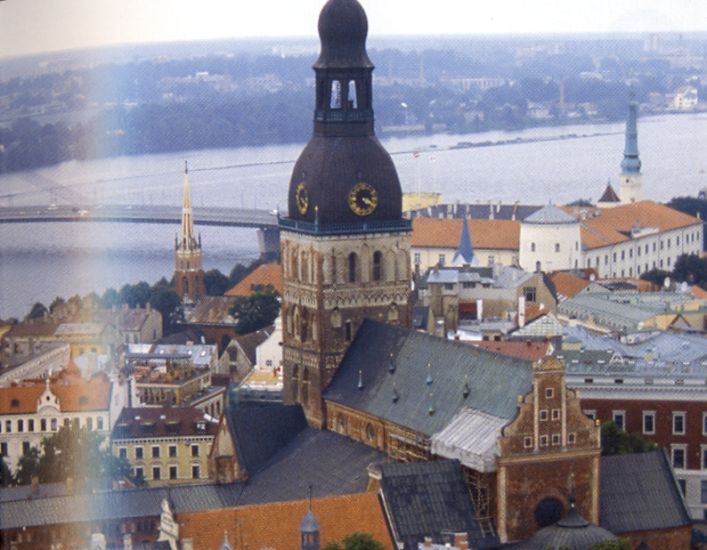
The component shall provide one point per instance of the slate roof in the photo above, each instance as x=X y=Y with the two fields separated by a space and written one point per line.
x=333 y=464
x=495 y=381
x=259 y=431
x=550 y=215
x=639 y=493
x=609 y=194
x=148 y=422
x=248 y=343
x=429 y=499
x=477 y=211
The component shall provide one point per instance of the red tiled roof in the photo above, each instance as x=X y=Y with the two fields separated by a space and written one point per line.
x=528 y=351
x=568 y=285
x=485 y=234
x=613 y=225
x=266 y=274
x=277 y=525
x=74 y=394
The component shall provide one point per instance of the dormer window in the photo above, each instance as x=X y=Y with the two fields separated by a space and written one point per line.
x=16 y=403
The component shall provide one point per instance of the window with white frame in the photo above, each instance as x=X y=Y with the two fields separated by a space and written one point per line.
x=619 y=418
x=678 y=455
x=590 y=413
x=649 y=422
x=678 y=423
x=704 y=423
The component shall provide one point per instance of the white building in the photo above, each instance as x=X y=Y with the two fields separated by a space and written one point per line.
x=550 y=240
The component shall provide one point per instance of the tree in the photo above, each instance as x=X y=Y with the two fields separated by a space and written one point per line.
x=57 y=302
x=257 y=310
x=615 y=441
x=71 y=453
x=5 y=474
x=110 y=298
x=165 y=300
x=37 y=312
x=616 y=544
x=691 y=269
x=356 y=541
x=655 y=276
x=241 y=271
x=216 y=283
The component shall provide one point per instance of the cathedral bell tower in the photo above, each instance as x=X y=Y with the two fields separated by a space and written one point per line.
x=188 y=270
x=345 y=247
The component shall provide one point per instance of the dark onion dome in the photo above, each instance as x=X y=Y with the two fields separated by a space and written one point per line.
x=328 y=172
x=571 y=532
x=343 y=28
x=344 y=175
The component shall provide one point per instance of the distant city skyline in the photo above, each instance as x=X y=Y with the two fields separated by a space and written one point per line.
x=36 y=26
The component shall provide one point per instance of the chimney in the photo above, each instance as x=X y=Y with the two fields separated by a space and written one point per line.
x=35 y=486
x=480 y=309
x=461 y=541
x=521 y=311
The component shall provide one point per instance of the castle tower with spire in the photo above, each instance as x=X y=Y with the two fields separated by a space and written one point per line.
x=188 y=270
x=630 y=190
x=345 y=246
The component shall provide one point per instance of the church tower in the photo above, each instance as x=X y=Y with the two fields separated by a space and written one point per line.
x=188 y=271
x=345 y=247
x=630 y=190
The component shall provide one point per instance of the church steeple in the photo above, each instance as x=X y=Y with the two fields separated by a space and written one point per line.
x=188 y=274
x=630 y=190
x=344 y=245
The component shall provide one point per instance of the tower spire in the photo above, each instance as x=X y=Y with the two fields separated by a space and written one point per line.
x=187 y=240
x=630 y=190
x=631 y=164
x=189 y=274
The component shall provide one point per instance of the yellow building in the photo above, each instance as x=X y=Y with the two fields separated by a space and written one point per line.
x=166 y=445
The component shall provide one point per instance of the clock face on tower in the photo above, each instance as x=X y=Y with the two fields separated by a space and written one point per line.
x=363 y=199
x=302 y=198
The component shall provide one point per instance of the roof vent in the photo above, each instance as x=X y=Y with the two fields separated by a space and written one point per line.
x=360 y=379
x=396 y=395
x=428 y=381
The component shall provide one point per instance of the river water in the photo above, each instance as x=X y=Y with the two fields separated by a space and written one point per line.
x=41 y=261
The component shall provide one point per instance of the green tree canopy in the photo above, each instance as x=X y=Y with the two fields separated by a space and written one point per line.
x=38 y=311
x=5 y=474
x=615 y=441
x=216 y=283
x=356 y=541
x=256 y=311
x=71 y=453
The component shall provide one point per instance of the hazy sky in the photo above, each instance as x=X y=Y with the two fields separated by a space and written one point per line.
x=31 y=26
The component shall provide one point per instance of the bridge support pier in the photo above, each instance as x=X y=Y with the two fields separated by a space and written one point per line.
x=269 y=243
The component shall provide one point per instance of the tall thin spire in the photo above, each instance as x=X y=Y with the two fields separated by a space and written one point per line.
x=187 y=240
x=631 y=164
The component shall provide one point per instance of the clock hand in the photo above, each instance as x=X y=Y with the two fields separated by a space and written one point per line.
x=366 y=201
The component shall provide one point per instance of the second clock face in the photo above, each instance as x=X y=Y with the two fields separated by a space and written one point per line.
x=302 y=198
x=363 y=199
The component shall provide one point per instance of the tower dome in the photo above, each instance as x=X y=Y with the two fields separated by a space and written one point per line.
x=343 y=28
x=344 y=175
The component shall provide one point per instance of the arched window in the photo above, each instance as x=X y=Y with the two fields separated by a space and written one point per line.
x=352 y=99
x=353 y=260
x=557 y=247
x=537 y=266
x=335 y=100
x=532 y=247
x=377 y=265
x=185 y=285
